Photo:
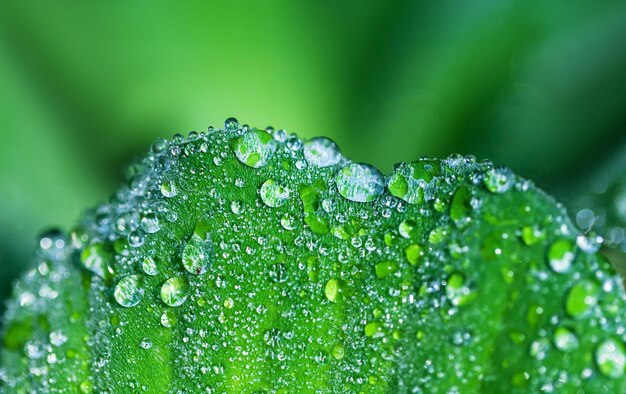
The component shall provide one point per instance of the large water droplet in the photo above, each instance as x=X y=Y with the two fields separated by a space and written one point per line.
x=197 y=254
x=128 y=291
x=322 y=152
x=611 y=358
x=254 y=148
x=407 y=229
x=274 y=194
x=360 y=182
x=561 y=256
x=174 y=291
x=582 y=297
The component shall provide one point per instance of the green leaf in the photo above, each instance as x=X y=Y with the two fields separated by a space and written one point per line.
x=239 y=261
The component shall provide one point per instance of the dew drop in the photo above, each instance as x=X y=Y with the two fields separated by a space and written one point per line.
x=581 y=298
x=564 y=339
x=274 y=194
x=561 y=255
x=409 y=180
x=385 y=268
x=322 y=152
x=128 y=291
x=457 y=291
x=168 y=189
x=168 y=319
x=360 y=182
x=145 y=343
x=174 y=291
x=334 y=289
x=231 y=124
x=413 y=253
x=150 y=223
x=197 y=254
x=611 y=358
x=254 y=148
x=407 y=229
x=96 y=259
x=499 y=180
x=149 y=266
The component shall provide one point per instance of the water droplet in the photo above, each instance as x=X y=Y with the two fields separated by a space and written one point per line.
x=254 y=148
x=145 y=343
x=334 y=289
x=136 y=238
x=373 y=329
x=288 y=221
x=231 y=124
x=53 y=244
x=561 y=255
x=611 y=358
x=456 y=290
x=360 y=182
x=322 y=152
x=168 y=189
x=128 y=291
x=174 y=291
x=407 y=229
x=539 y=348
x=150 y=223
x=582 y=297
x=149 y=266
x=159 y=146
x=413 y=253
x=499 y=180
x=274 y=194
x=96 y=259
x=531 y=235
x=409 y=180
x=385 y=268
x=338 y=351
x=564 y=339
x=168 y=319
x=197 y=254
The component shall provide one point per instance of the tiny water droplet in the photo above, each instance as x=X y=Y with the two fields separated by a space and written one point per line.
x=128 y=291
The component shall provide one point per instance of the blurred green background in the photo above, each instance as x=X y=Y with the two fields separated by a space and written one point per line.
x=85 y=87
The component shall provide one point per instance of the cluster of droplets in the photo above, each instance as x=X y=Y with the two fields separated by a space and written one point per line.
x=305 y=238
